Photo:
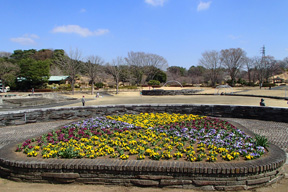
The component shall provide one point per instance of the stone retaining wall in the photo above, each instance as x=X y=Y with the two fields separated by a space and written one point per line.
x=170 y=92
x=172 y=174
x=53 y=114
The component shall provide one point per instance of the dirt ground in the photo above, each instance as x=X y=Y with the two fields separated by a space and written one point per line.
x=134 y=97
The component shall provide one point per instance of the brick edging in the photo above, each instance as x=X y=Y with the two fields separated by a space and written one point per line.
x=198 y=175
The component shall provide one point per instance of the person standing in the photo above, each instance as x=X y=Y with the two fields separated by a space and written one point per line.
x=83 y=100
x=262 y=102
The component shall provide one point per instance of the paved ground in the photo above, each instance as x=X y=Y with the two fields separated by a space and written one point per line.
x=276 y=132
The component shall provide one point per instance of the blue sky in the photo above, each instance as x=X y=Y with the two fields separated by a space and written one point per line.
x=178 y=30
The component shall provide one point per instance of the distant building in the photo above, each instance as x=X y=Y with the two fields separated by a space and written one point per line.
x=58 y=79
x=278 y=80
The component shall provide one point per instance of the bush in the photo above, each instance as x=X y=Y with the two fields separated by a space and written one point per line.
x=40 y=90
x=156 y=86
x=154 y=82
x=128 y=87
x=242 y=81
x=251 y=84
x=231 y=83
x=261 y=141
x=99 y=85
x=65 y=87
x=268 y=85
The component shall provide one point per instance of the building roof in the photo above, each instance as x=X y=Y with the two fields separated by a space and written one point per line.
x=57 y=78
x=278 y=78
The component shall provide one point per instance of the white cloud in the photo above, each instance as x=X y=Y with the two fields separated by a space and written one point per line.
x=84 y=32
x=82 y=10
x=203 y=5
x=155 y=2
x=26 y=39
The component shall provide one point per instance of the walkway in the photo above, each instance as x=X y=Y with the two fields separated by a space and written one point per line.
x=276 y=132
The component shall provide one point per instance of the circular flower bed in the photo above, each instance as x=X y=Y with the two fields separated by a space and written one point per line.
x=159 y=136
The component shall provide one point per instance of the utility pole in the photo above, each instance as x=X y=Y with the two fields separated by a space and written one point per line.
x=263 y=51
x=262 y=60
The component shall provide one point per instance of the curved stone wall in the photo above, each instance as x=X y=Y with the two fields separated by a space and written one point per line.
x=170 y=92
x=53 y=114
x=196 y=175
x=173 y=174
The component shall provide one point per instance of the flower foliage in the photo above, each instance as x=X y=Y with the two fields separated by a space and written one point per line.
x=155 y=136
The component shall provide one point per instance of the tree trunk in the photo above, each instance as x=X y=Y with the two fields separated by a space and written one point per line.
x=249 y=76
x=92 y=87
x=117 y=87
x=72 y=86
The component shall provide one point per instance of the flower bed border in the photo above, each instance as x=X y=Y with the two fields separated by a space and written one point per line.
x=196 y=175
x=173 y=174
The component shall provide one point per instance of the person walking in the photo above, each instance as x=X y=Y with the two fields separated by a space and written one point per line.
x=83 y=100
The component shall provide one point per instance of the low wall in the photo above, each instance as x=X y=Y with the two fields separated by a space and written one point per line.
x=147 y=173
x=170 y=92
x=53 y=114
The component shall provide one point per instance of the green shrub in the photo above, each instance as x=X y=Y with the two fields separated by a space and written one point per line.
x=128 y=87
x=154 y=82
x=99 y=85
x=261 y=141
x=65 y=87
x=268 y=85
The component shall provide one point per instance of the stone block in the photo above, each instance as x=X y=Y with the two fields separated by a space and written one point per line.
x=146 y=183
x=165 y=182
x=231 y=188
x=208 y=182
x=154 y=177
x=61 y=175
x=258 y=181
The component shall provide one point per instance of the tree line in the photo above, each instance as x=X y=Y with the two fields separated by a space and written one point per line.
x=26 y=69
x=230 y=66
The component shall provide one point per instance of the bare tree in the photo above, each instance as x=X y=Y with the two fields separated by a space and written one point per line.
x=259 y=69
x=211 y=60
x=71 y=65
x=271 y=66
x=135 y=61
x=265 y=68
x=92 y=67
x=197 y=74
x=285 y=60
x=5 y=54
x=153 y=61
x=115 y=70
x=250 y=64
x=144 y=64
x=8 y=72
x=233 y=60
